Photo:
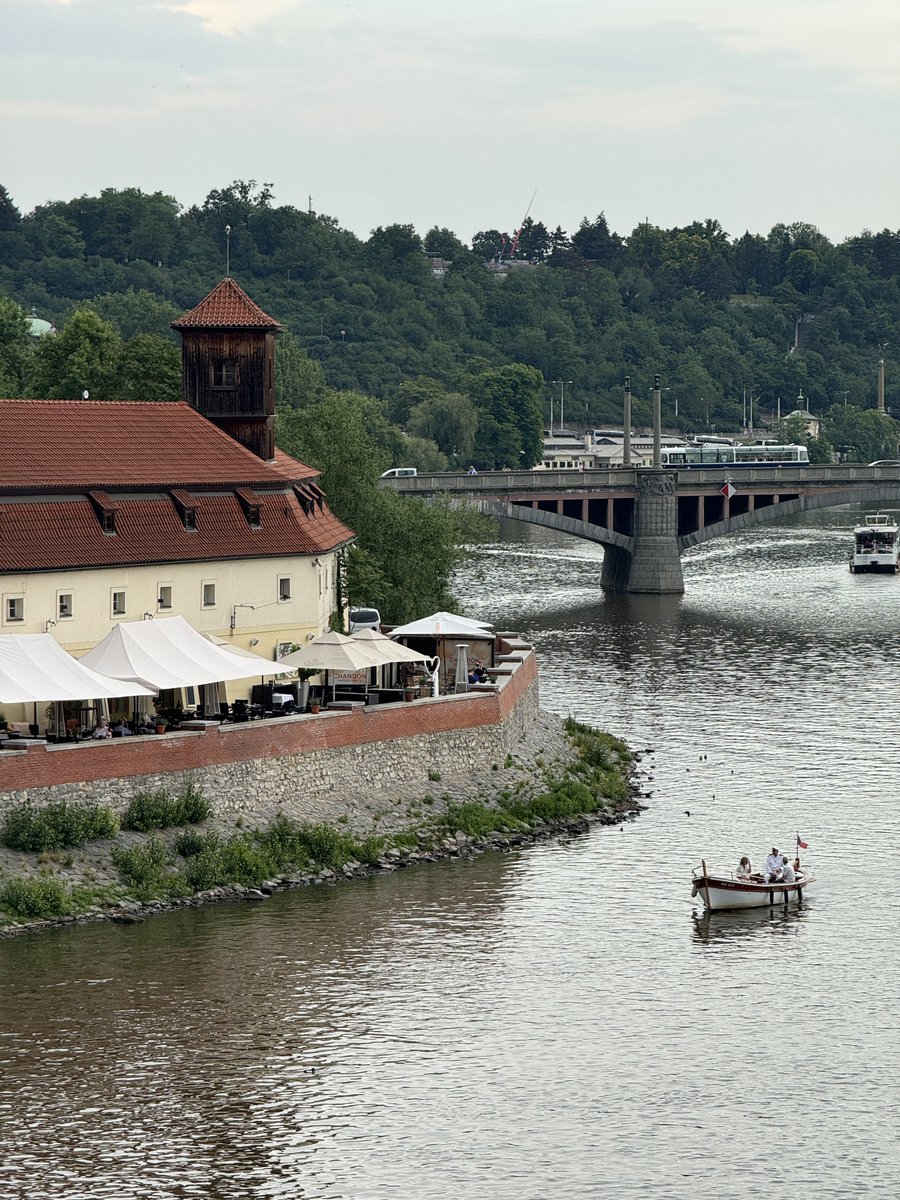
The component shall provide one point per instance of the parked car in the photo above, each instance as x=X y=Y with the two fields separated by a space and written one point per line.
x=399 y=473
x=365 y=618
x=886 y=462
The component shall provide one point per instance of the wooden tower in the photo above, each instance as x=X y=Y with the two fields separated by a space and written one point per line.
x=228 y=365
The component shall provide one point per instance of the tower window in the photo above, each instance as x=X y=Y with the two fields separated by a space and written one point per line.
x=224 y=373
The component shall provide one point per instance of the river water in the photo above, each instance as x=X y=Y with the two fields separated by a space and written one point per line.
x=554 y=1023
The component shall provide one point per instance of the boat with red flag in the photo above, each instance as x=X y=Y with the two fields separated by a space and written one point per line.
x=743 y=888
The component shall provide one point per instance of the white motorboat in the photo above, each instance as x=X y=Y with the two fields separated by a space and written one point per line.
x=876 y=544
x=724 y=889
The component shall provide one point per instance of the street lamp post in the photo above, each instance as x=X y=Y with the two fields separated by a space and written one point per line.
x=562 y=402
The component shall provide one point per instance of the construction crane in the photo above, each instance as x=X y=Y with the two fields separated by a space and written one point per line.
x=514 y=244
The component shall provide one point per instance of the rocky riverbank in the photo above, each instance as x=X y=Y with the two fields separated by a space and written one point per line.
x=565 y=779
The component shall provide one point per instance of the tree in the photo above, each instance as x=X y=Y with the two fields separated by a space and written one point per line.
x=149 y=368
x=10 y=217
x=488 y=243
x=862 y=435
x=84 y=356
x=15 y=349
x=448 y=419
x=509 y=403
x=299 y=379
x=443 y=243
x=410 y=548
x=137 y=311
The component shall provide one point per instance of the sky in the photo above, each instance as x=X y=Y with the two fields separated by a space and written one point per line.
x=463 y=113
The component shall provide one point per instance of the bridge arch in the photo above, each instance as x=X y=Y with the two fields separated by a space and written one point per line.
x=608 y=538
x=883 y=494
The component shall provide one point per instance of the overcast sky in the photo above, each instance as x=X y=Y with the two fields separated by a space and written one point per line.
x=455 y=112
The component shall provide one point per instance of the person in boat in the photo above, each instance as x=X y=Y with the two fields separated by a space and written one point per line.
x=798 y=870
x=744 y=870
x=774 y=868
x=787 y=872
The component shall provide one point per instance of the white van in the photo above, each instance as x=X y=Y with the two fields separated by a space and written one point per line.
x=399 y=473
x=365 y=618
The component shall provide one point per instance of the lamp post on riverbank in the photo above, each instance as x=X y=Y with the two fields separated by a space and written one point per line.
x=562 y=401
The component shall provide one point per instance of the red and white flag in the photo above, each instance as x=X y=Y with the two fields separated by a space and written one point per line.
x=728 y=491
x=801 y=845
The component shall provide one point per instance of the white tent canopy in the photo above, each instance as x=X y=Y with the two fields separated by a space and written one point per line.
x=170 y=653
x=34 y=667
x=443 y=624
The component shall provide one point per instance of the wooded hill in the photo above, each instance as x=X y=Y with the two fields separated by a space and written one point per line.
x=715 y=315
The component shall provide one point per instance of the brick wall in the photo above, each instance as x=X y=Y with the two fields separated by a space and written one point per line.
x=273 y=763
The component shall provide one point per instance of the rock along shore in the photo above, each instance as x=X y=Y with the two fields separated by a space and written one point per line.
x=546 y=756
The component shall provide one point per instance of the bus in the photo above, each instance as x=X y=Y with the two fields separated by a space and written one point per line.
x=761 y=454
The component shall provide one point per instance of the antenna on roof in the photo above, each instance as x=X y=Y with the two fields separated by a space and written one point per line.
x=227 y=251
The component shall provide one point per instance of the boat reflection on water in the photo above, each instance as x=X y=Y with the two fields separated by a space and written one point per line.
x=734 y=925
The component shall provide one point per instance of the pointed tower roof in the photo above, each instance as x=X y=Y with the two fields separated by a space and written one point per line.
x=226 y=307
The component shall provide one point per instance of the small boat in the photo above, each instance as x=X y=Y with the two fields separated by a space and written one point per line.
x=720 y=890
x=876 y=544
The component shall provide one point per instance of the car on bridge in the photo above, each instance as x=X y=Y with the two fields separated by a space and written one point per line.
x=885 y=462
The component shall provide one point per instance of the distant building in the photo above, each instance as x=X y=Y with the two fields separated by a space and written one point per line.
x=38 y=327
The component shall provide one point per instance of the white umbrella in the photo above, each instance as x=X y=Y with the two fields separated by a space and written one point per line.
x=394 y=652
x=444 y=624
x=389 y=651
x=332 y=652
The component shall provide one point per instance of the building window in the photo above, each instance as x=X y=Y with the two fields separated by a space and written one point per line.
x=284 y=587
x=15 y=608
x=189 y=519
x=224 y=373
x=108 y=520
x=164 y=596
x=209 y=595
x=64 y=606
x=118 y=604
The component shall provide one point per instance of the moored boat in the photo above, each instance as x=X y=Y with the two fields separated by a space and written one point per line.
x=876 y=544
x=724 y=889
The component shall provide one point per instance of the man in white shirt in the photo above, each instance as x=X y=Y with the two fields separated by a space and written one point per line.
x=772 y=872
x=787 y=874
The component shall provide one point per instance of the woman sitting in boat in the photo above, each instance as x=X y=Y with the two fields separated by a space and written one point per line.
x=744 y=870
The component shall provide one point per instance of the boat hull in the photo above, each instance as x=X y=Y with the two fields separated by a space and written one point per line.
x=717 y=893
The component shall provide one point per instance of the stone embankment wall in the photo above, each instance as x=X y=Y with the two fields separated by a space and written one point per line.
x=310 y=767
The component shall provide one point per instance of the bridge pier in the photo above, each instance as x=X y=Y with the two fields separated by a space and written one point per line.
x=654 y=565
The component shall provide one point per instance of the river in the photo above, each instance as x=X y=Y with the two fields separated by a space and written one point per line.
x=552 y=1024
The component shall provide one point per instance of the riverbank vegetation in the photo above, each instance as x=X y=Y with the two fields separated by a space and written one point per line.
x=166 y=869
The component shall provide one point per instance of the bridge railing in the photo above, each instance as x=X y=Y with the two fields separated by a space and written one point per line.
x=787 y=477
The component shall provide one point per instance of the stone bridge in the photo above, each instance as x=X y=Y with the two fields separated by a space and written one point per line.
x=645 y=517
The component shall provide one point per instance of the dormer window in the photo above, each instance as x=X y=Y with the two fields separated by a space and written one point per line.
x=187 y=508
x=249 y=502
x=224 y=373
x=106 y=510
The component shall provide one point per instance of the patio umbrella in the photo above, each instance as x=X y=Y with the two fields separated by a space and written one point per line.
x=443 y=624
x=332 y=652
x=389 y=652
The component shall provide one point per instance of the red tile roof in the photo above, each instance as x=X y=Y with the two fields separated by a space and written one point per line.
x=226 y=307
x=66 y=533
x=82 y=445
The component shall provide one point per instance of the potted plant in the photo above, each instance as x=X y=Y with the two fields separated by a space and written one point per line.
x=304 y=674
x=314 y=706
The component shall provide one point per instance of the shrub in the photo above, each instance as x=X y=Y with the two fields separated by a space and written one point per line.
x=159 y=810
x=189 y=843
x=142 y=864
x=57 y=825
x=36 y=898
